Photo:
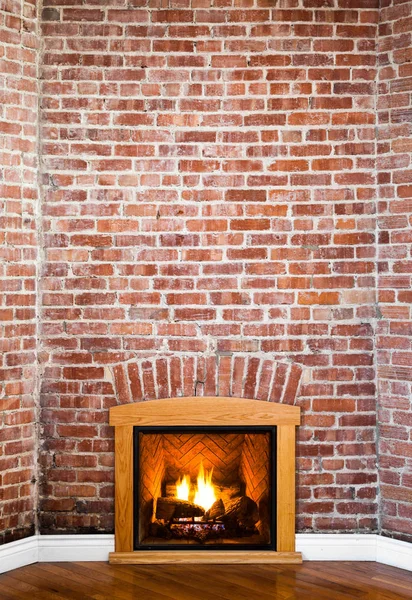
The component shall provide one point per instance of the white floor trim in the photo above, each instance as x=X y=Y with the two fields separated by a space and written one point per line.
x=67 y=548
x=19 y=554
x=394 y=553
x=336 y=546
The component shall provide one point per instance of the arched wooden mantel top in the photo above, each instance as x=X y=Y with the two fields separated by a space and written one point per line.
x=209 y=410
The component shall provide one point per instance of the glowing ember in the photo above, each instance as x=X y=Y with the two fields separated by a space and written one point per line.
x=205 y=491
x=183 y=488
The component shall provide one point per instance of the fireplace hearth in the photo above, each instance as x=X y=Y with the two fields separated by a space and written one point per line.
x=205 y=480
x=204 y=488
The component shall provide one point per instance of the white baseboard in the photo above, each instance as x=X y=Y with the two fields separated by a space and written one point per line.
x=69 y=548
x=336 y=546
x=394 y=553
x=19 y=554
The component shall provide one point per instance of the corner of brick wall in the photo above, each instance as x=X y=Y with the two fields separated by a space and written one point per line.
x=393 y=336
x=19 y=207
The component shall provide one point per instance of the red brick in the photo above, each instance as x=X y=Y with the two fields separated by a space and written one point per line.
x=318 y=298
x=240 y=176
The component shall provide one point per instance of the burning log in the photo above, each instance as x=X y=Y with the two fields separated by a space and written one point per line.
x=224 y=493
x=241 y=511
x=173 y=508
x=159 y=530
x=215 y=511
x=171 y=491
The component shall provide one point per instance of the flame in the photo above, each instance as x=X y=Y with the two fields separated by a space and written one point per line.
x=205 y=491
x=183 y=488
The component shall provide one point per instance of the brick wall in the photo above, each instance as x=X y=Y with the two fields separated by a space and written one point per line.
x=394 y=352
x=209 y=189
x=18 y=255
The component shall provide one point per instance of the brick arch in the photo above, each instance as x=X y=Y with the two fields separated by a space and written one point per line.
x=169 y=376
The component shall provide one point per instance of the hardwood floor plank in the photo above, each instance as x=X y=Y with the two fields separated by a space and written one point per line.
x=310 y=581
x=196 y=580
x=177 y=587
x=119 y=587
x=306 y=581
x=41 y=587
x=82 y=584
x=50 y=586
x=357 y=572
x=10 y=589
x=256 y=584
x=221 y=577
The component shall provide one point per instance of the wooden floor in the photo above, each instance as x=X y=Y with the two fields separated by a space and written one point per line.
x=312 y=580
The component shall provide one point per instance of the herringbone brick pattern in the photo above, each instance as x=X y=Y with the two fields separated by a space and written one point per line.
x=220 y=452
x=255 y=464
x=255 y=472
x=152 y=468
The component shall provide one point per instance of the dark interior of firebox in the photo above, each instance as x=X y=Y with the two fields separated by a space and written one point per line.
x=208 y=488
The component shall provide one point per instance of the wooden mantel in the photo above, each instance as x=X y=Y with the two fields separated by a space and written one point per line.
x=207 y=412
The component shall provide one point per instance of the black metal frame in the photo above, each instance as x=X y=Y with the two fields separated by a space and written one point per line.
x=203 y=429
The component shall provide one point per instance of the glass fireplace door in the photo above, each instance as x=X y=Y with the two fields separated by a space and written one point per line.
x=201 y=488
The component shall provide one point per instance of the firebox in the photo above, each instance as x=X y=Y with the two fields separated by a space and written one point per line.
x=204 y=488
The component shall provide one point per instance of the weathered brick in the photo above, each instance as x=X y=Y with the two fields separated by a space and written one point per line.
x=218 y=199
x=18 y=267
x=393 y=343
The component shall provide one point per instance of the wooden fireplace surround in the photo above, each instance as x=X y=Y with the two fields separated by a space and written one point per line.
x=206 y=411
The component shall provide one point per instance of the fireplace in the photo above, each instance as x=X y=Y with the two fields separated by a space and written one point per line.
x=204 y=480
x=204 y=487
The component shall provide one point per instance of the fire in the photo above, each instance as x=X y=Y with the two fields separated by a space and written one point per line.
x=183 y=488
x=205 y=491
